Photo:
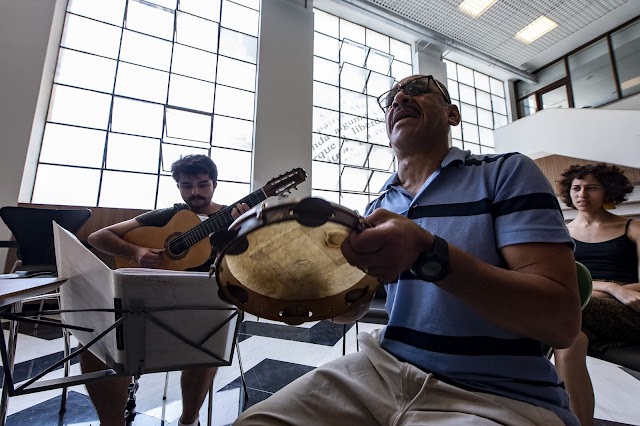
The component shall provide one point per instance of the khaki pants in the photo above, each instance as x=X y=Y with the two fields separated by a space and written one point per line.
x=372 y=387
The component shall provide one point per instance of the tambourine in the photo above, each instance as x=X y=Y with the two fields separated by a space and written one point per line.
x=283 y=262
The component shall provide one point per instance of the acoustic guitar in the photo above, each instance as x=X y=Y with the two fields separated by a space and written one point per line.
x=184 y=239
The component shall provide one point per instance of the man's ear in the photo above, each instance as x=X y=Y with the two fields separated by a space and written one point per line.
x=454 y=115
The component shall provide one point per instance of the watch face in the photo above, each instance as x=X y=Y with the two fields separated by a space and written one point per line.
x=431 y=269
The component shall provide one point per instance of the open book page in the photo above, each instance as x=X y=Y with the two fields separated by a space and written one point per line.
x=88 y=286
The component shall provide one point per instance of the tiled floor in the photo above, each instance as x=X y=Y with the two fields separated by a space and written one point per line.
x=272 y=355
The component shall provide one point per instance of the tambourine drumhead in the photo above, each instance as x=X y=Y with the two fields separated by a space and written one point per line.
x=285 y=262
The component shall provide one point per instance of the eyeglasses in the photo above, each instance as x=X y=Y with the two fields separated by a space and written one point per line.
x=411 y=88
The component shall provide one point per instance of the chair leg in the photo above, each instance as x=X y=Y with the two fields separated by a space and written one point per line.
x=40 y=308
x=357 y=342
x=166 y=386
x=244 y=395
x=210 y=407
x=67 y=352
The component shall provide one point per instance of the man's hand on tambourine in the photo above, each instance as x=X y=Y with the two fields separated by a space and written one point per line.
x=388 y=247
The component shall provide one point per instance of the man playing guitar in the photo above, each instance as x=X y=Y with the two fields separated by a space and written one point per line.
x=197 y=178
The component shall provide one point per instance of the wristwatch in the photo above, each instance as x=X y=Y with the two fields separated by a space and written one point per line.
x=432 y=265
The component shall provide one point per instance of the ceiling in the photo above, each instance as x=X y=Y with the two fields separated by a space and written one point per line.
x=492 y=34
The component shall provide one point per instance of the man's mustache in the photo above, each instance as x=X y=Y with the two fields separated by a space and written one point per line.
x=196 y=197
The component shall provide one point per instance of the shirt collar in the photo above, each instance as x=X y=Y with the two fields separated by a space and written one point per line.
x=455 y=157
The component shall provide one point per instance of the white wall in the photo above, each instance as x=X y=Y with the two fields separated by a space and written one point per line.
x=611 y=136
x=25 y=28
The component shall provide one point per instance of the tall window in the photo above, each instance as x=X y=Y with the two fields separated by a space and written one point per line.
x=140 y=83
x=352 y=66
x=482 y=105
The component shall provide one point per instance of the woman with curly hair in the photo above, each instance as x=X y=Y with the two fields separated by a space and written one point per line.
x=608 y=245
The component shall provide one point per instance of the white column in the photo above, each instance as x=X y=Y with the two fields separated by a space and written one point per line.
x=284 y=102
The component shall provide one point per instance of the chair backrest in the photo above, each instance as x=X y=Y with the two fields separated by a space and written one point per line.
x=33 y=231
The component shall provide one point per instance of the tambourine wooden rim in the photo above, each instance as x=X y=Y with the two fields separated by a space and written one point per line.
x=308 y=213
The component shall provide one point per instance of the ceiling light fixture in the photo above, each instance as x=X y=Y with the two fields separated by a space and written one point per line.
x=476 y=8
x=536 y=29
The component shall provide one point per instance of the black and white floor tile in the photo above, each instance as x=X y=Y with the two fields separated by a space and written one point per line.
x=272 y=355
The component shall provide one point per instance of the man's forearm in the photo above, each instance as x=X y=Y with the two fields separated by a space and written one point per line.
x=109 y=242
x=523 y=301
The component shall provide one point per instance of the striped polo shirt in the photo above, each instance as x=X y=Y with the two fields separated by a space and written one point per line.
x=478 y=203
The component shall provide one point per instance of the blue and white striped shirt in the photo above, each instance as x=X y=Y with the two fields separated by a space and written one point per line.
x=479 y=203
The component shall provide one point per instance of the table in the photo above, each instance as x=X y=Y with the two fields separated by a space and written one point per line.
x=13 y=292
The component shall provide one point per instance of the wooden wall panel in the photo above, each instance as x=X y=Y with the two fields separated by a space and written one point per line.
x=553 y=165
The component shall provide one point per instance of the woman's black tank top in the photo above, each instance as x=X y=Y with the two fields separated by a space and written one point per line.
x=613 y=260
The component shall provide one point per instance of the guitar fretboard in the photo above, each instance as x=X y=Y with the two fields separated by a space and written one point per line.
x=219 y=221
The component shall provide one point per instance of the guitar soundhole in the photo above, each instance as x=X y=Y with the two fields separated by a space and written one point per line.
x=175 y=247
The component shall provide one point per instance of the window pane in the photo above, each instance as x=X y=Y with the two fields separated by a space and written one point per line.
x=110 y=11
x=240 y=18
x=381 y=157
x=377 y=41
x=353 y=78
x=528 y=106
x=325 y=23
x=325 y=121
x=325 y=148
x=485 y=118
x=132 y=153
x=353 y=53
x=484 y=99
x=128 y=190
x=482 y=81
x=452 y=86
x=90 y=36
x=467 y=94
x=193 y=63
x=72 y=145
x=236 y=74
x=355 y=179
x=238 y=45
x=49 y=180
x=377 y=132
x=191 y=93
x=474 y=148
x=354 y=153
x=228 y=193
x=325 y=175
x=545 y=77
x=196 y=32
x=188 y=125
x=379 y=62
x=353 y=127
x=232 y=133
x=234 y=102
x=465 y=75
x=626 y=45
x=149 y=19
x=497 y=87
x=136 y=117
x=144 y=50
x=499 y=105
x=325 y=96
x=486 y=136
x=79 y=107
x=209 y=9
x=326 y=47
x=592 y=76
x=499 y=120
x=353 y=103
x=171 y=153
x=468 y=113
x=232 y=165
x=452 y=73
x=351 y=31
x=325 y=71
x=142 y=83
x=83 y=70
x=401 y=51
x=168 y=193
x=355 y=202
x=378 y=179
x=400 y=70
x=470 y=133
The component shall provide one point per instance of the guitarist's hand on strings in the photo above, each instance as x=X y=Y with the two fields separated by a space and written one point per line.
x=148 y=257
x=239 y=209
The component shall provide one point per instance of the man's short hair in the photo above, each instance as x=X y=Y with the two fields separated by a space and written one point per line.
x=193 y=165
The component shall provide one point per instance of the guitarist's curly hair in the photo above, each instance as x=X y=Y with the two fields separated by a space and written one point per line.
x=194 y=164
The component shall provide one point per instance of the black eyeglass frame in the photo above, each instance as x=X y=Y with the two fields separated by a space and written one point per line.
x=383 y=100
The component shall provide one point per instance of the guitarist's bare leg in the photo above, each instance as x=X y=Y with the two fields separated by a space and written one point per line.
x=195 y=384
x=108 y=396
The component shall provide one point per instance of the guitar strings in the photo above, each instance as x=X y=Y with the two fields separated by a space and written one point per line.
x=192 y=236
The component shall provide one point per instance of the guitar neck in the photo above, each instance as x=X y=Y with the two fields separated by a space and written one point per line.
x=222 y=219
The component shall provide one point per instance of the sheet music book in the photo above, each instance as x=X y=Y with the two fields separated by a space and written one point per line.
x=166 y=295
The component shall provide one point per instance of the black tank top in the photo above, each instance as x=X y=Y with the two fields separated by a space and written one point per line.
x=614 y=260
